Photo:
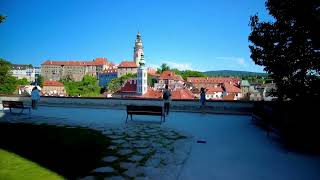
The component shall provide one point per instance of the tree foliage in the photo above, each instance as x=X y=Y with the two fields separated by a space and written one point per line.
x=23 y=81
x=2 y=19
x=189 y=73
x=7 y=81
x=151 y=80
x=288 y=47
x=163 y=67
x=116 y=83
x=88 y=87
x=39 y=80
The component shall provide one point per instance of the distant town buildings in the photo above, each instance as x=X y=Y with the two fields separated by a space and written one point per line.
x=169 y=78
x=29 y=72
x=75 y=70
x=53 y=88
x=217 y=88
x=207 y=82
x=107 y=75
x=127 y=67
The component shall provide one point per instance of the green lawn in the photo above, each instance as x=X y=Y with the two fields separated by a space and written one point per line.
x=14 y=167
x=70 y=152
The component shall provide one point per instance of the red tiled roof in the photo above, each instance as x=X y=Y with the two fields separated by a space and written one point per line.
x=196 y=80
x=152 y=94
x=111 y=69
x=126 y=64
x=229 y=97
x=176 y=94
x=212 y=90
x=96 y=62
x=130 y=86
x=170 y=75
x=52 y=83
x=231 y=88
x=182 y=94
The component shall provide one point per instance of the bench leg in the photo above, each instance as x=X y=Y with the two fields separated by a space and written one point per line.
x=10 y=110
x=131 y=116
x=127 y=118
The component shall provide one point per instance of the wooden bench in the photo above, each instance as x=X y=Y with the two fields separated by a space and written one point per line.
x=14 y=104
x=145 y=110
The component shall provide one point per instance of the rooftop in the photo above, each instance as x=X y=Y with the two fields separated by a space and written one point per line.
x=95 y=62
x=170 y=75
x=127 y=64
x=219 y=80
x=52 y=83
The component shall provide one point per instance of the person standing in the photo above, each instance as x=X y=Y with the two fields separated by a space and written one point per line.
x=166 y=96
x=35 y=97
x=202 y=97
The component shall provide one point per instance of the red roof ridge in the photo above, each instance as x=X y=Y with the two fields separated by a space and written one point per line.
x=52 y=83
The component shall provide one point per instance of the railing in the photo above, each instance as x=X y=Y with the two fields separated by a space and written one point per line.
x=212 y=106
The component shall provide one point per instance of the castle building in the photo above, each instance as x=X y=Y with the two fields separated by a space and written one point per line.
x=75 y=70
x=127 y=67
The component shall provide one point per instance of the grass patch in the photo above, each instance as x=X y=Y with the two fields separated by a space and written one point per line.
x=13 y=167
x=70 y=152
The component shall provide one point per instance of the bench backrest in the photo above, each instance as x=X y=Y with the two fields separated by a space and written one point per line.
x=12 y=104
x=144 y=108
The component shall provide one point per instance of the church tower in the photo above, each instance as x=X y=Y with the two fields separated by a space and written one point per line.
x=138 y=50
x=142 y=85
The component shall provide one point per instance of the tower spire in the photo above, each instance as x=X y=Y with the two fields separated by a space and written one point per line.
x=138 y=49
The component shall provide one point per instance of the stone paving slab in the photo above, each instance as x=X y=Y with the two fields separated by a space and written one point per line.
x=142 y=151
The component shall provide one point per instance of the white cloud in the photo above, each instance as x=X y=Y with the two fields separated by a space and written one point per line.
x=241 y=61
x=155 y=66
x=233 y=59
x=180 y=66
x=172 y=65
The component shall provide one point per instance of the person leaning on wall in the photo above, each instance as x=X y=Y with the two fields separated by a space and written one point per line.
x=35 y=97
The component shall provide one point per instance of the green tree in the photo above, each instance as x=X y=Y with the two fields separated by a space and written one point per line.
x=2 y=19
x=189 y=73
x=289 y=47
x=88 y=87
x=116 y=83
x=151 y=80
x=39 y=80
x=22 y=81
x=163 y=67
x=7 y=81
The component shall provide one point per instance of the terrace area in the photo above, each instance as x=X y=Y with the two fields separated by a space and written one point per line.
x=233 y=147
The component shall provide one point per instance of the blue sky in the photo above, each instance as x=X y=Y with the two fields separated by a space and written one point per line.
x=187 y=34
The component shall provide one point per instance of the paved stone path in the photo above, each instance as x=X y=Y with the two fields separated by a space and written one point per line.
x=138 y=150
x=143 y=151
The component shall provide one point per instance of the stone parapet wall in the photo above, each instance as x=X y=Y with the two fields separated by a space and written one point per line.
x=228 y=107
